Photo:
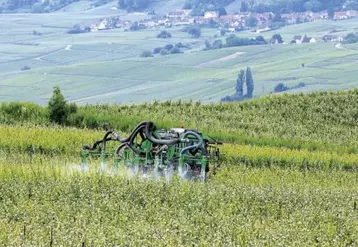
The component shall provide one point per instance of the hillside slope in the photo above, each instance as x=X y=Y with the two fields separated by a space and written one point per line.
x=313 y=121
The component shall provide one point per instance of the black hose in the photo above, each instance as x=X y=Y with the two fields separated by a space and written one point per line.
x=120 y=147
x=133 y=136
x=148 y=132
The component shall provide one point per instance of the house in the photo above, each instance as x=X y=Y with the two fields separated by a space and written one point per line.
x=200 y=20
x=211 y=14
x=297 y=39
x=341 y=15
x=309 y=40
x=352 y=13
x=104 y=24
x=273 y=41
x=290 y=18
x=332 y=38
x=94 y=28
x=179 y=14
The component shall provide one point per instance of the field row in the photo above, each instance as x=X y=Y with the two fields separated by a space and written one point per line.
x=67 y=143
x=239 y=206
x=318 y=121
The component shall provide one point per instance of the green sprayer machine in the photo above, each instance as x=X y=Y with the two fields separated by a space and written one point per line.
x=149 y=151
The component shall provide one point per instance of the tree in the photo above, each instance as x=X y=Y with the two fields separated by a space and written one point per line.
x=164 y=35
x=37 y=8
x=217 y=44
x=222 y=11
x=244 y=7
x=25 y=68
x=175 y=50
x=240 y=83
x=251 y=21
x=277 y=37
x=164 y=52
x=207 y=44
x=194 y=32
x=146 y=54
x=280 y=88
x=168 y=47
x=57 y=107
x=157 y=50
x=330 y=13
x=249 y=83
x=350 y=38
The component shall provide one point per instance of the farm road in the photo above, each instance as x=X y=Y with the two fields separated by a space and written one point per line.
x=222 y=59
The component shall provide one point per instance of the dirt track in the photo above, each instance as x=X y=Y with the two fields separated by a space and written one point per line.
x=222 y=59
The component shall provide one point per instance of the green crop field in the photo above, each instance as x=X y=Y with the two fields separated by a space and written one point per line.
x=105 y=66
x=288 y=177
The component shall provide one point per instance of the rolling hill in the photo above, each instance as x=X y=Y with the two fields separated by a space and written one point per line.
x=105 y=66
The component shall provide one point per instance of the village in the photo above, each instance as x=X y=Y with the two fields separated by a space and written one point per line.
x=256 y=22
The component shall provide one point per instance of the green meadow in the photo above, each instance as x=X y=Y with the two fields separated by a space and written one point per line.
x=106 y=66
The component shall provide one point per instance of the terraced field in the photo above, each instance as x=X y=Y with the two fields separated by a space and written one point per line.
x=105 y=66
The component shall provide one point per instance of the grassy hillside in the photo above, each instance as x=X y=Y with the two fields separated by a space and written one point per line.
x=293 y=178
x=105 y=66
x=311 y=121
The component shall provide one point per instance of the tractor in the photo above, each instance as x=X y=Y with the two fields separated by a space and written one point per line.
x=150 y=151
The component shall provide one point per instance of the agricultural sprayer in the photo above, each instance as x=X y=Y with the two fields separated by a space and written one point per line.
x=151 y=151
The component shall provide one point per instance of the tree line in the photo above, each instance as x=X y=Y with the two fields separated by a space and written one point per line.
x=244 y=77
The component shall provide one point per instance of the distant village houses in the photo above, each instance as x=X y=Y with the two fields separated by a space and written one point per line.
x=183 y=17
x=298 y=39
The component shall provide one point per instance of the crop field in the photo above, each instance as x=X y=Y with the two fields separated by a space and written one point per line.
x=105 y=66
x=288 y=177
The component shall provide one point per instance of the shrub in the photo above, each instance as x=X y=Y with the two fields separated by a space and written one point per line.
x=168 y=47
x=164 y=52
x=25 y=68
x=157 y=50
x=280 y=88
x=217 y=44
x=146 y=54
x=175 y=50
x=164 y=35
x=58 y=108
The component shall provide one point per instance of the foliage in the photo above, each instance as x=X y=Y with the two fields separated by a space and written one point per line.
x=76 y=29
x=251 y=21
x=135 y=27
x=277 y=37
x=244 y=7
x=175 y=50
x=289 y=6
x=164 y=52
x=157 y=50
x=133 y=5
x=240 y=83
x=42 y=202
x=330 y=13
x=194 y=32
x=249 y=82
x=268 y=121
x=58 y=108
x=168 y=47
x=350 y=38
x=146 y=54
x=243 y=77
x=282 y=87
x=217 y=44
x=234 y=40
x=26 y=68
x=164 y=35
